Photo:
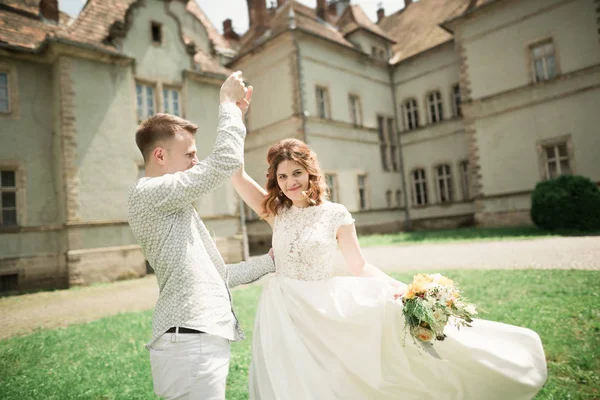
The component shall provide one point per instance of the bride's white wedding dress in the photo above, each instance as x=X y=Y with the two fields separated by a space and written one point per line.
x=319 y=337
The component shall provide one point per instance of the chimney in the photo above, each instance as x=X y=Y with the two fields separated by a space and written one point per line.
x=407 y=3
x=257 y=13
x=228 y=32
x=321 y=9
x=49 y=10
x=332 y=9
x=380 y=14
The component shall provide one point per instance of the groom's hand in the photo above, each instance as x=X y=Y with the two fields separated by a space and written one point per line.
x=233 y=89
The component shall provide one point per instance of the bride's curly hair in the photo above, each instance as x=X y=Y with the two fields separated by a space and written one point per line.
x=298 y=151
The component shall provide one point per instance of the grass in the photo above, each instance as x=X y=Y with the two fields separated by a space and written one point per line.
x=464 y=234
x=106 y=359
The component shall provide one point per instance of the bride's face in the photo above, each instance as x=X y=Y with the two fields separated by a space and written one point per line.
x=292 y=179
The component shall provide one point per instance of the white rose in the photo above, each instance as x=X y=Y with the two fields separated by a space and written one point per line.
x=423 y=334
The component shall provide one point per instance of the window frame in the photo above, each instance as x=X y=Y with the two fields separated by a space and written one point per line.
x=365 y=197
x=325 y=101
x=543 y=163
x=439 y=107
x=532 y=60
x=144 y=85
x=406 y=111
x=355 y=109
x=166 y=104
x=448 y=180
x=19 y=189
x=415 y=182
x=465 y=178
x=333 y=187
x=12 y=111
x=456 y=101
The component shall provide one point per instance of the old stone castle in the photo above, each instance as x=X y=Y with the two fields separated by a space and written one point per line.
x=444 y=114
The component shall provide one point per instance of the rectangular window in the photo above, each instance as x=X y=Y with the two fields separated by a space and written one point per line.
x=171 y=101
x=156 y=31
x=355 y=111
x=557 y=160
x=331 y=181
x=456 y=101
x=388 y=198
x=393 y=140
x=411 y=115
x=4 y=93
x=398 y=198
x=444 y=183
x=146 y=103
x=434 y=107
x=8 y=198
x=543 y=60
x=383 y=145
x=464 y=179
x=419 y=184
x=362 y=191
x=322 y=102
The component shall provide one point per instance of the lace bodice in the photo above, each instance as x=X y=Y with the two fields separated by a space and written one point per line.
x=304 y=240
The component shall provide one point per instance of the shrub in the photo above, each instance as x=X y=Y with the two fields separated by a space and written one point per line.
x=566 y=202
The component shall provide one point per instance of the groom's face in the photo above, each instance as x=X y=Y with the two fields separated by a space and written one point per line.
x=180 y=152
x=292 y=179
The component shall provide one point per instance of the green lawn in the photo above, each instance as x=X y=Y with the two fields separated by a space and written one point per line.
x=463 y=234
x=106 y=359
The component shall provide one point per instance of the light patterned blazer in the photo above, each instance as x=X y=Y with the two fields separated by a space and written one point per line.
x=192 y=277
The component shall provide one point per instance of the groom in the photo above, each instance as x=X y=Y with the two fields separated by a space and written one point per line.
x=193 y=321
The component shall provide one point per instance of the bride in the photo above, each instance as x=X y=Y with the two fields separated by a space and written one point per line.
x=319 y=337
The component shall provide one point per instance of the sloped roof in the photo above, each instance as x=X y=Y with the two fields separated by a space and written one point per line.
x=416 y=28
x=305 y=18
x=355 y=18
x=98 y=21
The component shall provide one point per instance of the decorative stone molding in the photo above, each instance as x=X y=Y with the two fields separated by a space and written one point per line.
x=476 y=188
x=68 y=139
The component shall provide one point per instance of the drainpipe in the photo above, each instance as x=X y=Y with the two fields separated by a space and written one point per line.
x=292 y=27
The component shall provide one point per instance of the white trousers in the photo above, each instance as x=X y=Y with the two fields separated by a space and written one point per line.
x=190 y=366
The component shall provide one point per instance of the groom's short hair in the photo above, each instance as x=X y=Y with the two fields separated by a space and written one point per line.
x=159 y=127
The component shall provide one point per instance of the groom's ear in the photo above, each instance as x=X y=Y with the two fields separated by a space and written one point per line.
x=159 y=155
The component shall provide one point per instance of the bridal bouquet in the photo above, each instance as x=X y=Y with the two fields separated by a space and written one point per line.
x=432 y=301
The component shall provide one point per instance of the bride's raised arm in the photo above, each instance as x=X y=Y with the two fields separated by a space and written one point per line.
x=348 y=242
x=251 y=192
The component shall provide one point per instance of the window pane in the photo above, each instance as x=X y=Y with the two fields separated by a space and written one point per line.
x=7 y=179
x=3 y=79
x=538 y=52
x=9 y=199
x=3 y=105
x=565 y=168
x=562 y=150
x=138 y=89
x=553 y=173
x=550 y=153
x=551 y=67
x=549 y=49
x=3 y=92
x=539 y=70
x=9 y=217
